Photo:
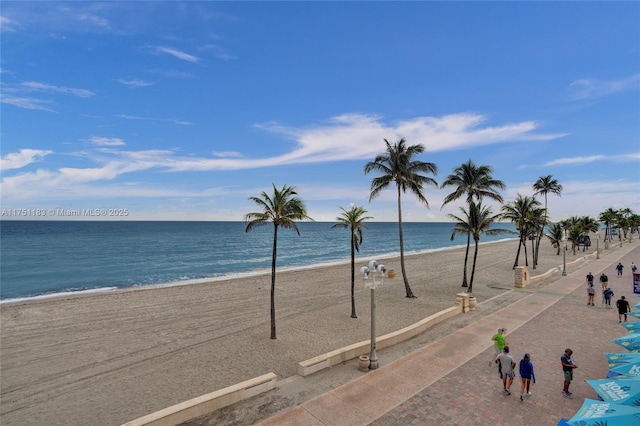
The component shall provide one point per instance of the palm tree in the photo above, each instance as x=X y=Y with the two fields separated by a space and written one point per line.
x=588 y=225
x=608 y=217
x=282 y=209
x=476 y=182
x=544 y=185
x=353 y=219
x=547 y=185
x=520 y=212
x=397 y=164
x=475 y=222
x=555 y=235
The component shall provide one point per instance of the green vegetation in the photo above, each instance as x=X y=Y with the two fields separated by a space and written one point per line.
x=282 y=209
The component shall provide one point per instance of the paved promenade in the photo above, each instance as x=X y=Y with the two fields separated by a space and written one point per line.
x=450 y=382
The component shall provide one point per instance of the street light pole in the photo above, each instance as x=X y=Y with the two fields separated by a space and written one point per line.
x=564 y=254
x=597 y=245
x=369 y=275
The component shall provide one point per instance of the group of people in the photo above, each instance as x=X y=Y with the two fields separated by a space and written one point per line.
x=507 y=365
x=607 y=293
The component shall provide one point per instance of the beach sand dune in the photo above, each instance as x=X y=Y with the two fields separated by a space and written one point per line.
x=105 y=359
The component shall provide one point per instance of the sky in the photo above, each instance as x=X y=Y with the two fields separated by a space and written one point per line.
x=183 y=110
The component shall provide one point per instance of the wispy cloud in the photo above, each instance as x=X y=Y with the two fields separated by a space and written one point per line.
x=176 y=53
x=346 y=137
x=591 y=88
x=8 y=25
x=227 y=154
x=572 y=161
x=350 y=136
x=24 y=157
x=135 y=82
x=26 y=103
x=14 y=90
x=103 y=141
x=35 y=86
x=136 y=117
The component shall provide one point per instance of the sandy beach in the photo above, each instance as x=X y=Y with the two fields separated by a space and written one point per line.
x=105 y=359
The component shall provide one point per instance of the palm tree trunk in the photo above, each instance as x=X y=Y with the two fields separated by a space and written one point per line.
x=473 y=266
x=518 y=253
x=273 y=282
x=533 y=254
x=404 y=272
x=353 y=276
x=466 y=256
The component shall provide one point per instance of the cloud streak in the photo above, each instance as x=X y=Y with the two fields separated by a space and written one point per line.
x=24 y=157
x=587 y=88
x=175 y=53
x=572 y=161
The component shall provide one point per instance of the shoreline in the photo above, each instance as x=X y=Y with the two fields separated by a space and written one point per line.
x=225 y=277
x=111 y=357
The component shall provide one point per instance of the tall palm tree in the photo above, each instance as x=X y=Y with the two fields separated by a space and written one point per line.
x=520 y=212
x=354 y=220
x=544 y=185
x=398 y=164
x=475 y=222
x=474 y=182
x=282 y=209
x=547 y=185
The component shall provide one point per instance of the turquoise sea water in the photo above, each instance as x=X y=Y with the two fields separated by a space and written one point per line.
x=43 y=258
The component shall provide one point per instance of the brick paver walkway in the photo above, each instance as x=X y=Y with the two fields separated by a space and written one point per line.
x=449 y=382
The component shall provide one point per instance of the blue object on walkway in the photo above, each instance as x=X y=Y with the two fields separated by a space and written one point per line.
x=598 y=413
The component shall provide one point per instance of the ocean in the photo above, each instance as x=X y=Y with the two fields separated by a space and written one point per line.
x=40 y=259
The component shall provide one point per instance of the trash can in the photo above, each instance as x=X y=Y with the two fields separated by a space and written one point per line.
x=472 y=303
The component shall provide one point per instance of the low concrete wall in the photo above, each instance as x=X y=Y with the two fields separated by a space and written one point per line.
x=519 y=283
x=346 y=353
x=204 y=404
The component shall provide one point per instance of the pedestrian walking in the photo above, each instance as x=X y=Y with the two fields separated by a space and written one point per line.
x=591 y=292
x=508 y=373
x=604 y=281
x=623 y=307
x=619 y=268
x=567 y=368
x=634 y=268
x=499 y=342
x=607 y=295
x=526 y=376
x=590 y=279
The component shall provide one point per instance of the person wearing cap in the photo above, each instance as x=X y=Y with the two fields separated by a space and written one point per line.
x=499 y=342
x=567 y=368
x=526 y=375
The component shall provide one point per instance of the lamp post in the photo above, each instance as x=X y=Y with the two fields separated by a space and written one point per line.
x=564 y=253
x=597 y=245
x=369 y=274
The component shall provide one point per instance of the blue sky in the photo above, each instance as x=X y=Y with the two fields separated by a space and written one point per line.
x=183 y=110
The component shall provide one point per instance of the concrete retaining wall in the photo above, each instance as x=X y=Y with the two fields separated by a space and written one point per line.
x=204 y=404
